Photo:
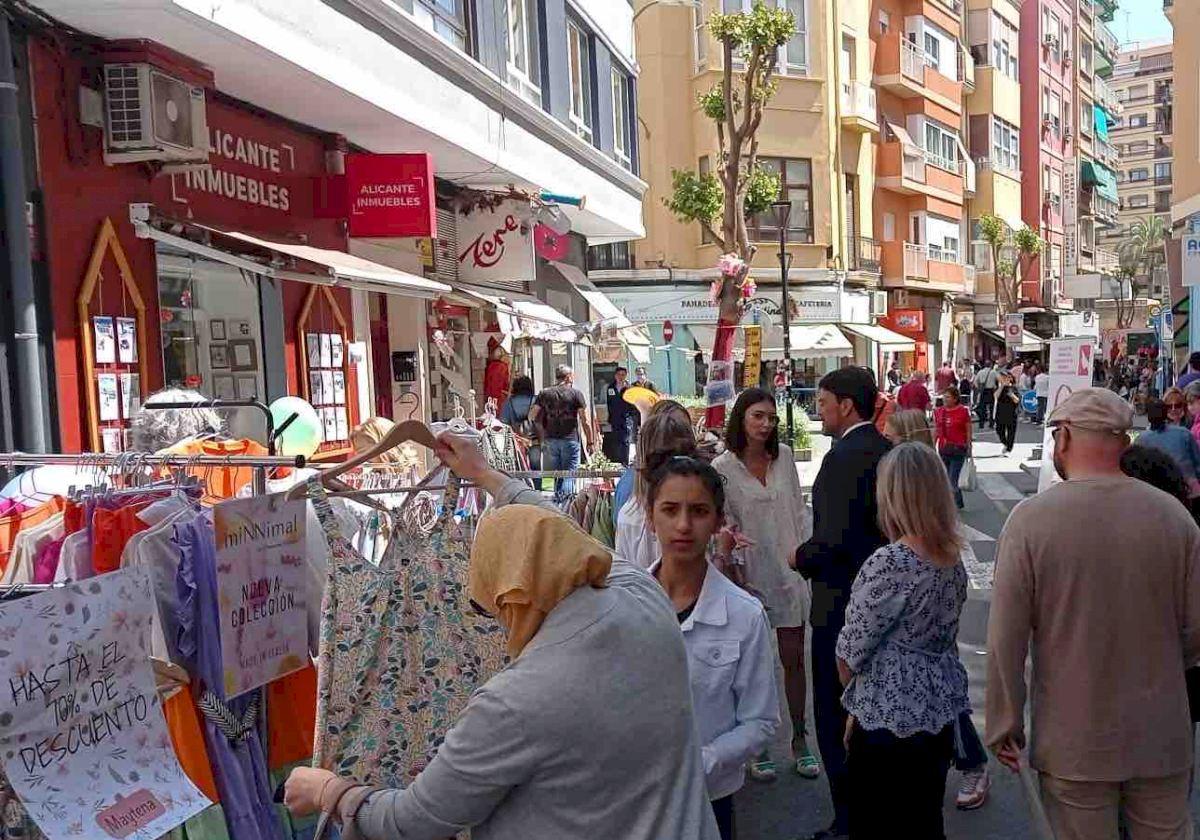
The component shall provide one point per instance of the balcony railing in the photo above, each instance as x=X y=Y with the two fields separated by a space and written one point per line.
x=859 y=101
x=1107 y=97
x=864 y=254
x=1106 y=150
x=1106 y=40
x=934 y=159
x=1107 y=261
x=912 y=61
x=916 y=261
x=1162 y=150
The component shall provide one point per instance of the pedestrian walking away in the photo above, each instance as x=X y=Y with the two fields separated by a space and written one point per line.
x=986 y=382
x=1111 y=734
x=914 y=394
x=845 y=533
x=1175 y=440
x=766 y=505
x=898 y=656
x=561 y=415
x=952 y=431
x=571 y=611
x=945 y=377
x=1008 y=401
x=622 y=417
x=731 y=661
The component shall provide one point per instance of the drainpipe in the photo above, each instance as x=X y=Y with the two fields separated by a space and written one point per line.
x=30 y=402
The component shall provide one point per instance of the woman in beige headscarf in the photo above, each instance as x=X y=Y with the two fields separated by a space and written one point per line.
x=588 y=733
x=396 y=459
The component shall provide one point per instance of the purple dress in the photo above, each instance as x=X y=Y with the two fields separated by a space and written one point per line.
x=231 y=731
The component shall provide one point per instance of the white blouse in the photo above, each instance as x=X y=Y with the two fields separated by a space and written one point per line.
x=634 y=542
x=775 y=517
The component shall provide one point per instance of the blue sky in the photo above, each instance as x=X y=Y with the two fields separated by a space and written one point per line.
x=1140 y=20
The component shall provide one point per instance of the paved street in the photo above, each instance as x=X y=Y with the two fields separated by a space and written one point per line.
x=793 y=807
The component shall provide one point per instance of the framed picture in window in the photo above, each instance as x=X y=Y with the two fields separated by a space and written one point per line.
x=218 y=356
x=243 y=354
x=127 y=341
x=105 y=340
x=216 y=329
x=240 y=329
x=247 y=387
x=224 y=387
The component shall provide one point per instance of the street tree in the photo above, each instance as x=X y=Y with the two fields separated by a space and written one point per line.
x=720 y=201
x=1142 y=254
x=1013 y=257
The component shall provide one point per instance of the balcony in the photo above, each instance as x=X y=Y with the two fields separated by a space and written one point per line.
x=904 y=69
x=966 y=69
x=1107 y=9
x=1095 y=206
x=910 y=170
x=859 y=108
x=1106 y=42
x=1162 y=150
x=1107 y=262
x=995 y=93
x=864 y=254
x=1106 y=98
x=1106 y=152
x=928 y=266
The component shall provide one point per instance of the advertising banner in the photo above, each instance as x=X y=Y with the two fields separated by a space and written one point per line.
x=262 y=589
x=85 y=743
x=1070 y=370
x=752 y=367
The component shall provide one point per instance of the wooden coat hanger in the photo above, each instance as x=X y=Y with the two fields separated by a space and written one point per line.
x=409 y=430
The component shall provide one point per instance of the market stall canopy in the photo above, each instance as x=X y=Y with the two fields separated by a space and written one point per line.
x=887 y=339
x=1030 y=343
x=634 y=336
x=341 y=269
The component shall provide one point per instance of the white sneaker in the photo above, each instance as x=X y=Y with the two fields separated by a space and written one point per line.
x=973 y=791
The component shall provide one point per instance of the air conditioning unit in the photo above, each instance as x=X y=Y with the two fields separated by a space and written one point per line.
x=1050 y=41
x=1066 y=56
x=1068 y=135
x=149 y=115
x=879 y=304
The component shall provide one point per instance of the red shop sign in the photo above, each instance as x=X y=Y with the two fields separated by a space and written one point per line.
x=391 y=195
x=909 y=322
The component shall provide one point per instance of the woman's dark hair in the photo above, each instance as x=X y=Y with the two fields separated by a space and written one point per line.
x=1156 y=468
x=1156 y=414
x=856 y=384
x=952 y=391
x=522 y=386
x=735 y=432
x=686 y=467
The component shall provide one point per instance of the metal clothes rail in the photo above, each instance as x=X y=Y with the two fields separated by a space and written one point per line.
x=521 y=474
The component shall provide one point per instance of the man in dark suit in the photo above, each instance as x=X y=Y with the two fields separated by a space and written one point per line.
x=845 y=533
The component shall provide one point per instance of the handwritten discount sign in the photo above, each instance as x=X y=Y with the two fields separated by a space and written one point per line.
x=82 y=735
x=262 y=588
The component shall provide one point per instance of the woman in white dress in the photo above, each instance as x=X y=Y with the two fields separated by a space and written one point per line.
x=765 y=502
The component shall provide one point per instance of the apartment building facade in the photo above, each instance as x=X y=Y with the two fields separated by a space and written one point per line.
x=817 y=134
x=924 y=171
x=1144 y=134
x=1185 y=198
x=1049 y=114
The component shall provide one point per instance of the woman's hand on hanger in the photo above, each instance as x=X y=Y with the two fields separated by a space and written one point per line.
x=464 y=458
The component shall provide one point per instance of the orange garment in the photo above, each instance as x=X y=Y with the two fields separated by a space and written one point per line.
x=73 y=518
x=13 y=524
x=111 y=530
x=291 y=718
x=183 y=723
x=222 y=482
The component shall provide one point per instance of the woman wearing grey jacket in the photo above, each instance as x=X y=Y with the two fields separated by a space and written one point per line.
x=588 y=733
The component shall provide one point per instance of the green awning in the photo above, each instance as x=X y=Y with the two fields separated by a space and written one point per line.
x=1102 y=178
x=1101 y=121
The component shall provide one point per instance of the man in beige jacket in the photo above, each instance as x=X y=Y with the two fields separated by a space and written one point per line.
x=1102 y=574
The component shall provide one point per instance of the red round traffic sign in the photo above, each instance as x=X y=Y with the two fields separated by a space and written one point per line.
x=668 y=332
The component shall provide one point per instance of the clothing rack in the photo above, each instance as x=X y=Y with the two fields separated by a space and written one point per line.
x=522 y=474
x=130 y=461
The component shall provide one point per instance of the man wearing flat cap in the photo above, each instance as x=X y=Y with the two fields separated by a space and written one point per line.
x=1100 y=574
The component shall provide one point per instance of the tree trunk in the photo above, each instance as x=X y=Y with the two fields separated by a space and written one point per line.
x=729 y=309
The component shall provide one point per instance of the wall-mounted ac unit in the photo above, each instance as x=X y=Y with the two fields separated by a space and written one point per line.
x=149 y=115
x=879 y=304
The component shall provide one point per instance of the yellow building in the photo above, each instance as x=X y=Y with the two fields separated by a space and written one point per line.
x=817 y=133
x=1185 y=199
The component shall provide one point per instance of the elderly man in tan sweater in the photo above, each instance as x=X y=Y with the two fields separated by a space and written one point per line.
x=1102 y=574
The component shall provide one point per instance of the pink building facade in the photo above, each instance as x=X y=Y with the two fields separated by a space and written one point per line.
x=1048 y=116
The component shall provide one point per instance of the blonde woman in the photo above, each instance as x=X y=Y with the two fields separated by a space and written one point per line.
x=898 y=656
x=908 y=425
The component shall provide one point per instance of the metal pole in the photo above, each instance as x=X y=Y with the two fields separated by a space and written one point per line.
x=31 y=405
x=787 y=329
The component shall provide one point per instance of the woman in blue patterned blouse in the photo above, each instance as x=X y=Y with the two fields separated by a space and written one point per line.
x=897 y=654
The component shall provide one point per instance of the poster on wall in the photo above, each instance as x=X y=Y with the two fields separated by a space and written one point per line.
x=343 y=424
x=127 y=340
x=329 y=419
x=752 y=368
x=131 y=394
x=327 y=386
x=312 y=344
x=224 y=387
x=105 y=340
x=85 y=745
x=111 y=440
x=336 y=352
x=110 y=400
x=339 y=388
x=261 y=589
x=316 y=393
x=240 y=329
x=326 y=350
x=1070 y=370
x=247 y=388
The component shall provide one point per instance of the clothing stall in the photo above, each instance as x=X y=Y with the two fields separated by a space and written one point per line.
x=206 y=585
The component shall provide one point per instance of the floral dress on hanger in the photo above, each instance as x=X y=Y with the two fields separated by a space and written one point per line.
x=401 y=649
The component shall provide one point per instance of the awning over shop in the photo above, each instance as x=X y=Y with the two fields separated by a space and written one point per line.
x=887 y=339
x=1100 y=176
x=341 y=269
x=528 y=318
x=1101 y=120
x=814 y=341
x=1030 y=343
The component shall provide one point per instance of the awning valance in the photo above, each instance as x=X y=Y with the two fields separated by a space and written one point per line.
x=1100 y=117
x=340 y=268
x=902 y=135
x=810 y=341
x=1030 y=343
x=884 y=337
x=1101 y=177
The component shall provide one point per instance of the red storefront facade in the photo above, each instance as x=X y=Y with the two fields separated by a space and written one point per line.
x=260 y=182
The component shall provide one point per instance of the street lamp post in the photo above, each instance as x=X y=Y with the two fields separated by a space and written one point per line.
x=783 y=212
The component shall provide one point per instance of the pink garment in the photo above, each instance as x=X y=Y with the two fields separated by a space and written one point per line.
x=45 y=565
x=1196 y=429
x=11 y=506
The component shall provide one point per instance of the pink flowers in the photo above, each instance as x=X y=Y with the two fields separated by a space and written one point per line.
x=730 y=265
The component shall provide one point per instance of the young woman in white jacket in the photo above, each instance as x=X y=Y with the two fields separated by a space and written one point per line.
x=731 y=663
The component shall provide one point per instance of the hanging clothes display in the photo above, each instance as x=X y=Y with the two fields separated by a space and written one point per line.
x=401 y=648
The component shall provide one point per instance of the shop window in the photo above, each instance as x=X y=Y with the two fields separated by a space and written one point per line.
x=323 y=337
x=795 y=178
x=211 y=330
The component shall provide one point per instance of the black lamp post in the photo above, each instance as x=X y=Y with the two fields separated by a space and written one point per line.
x=783 y=212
